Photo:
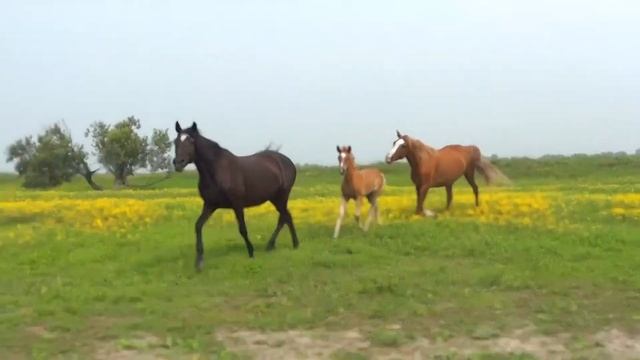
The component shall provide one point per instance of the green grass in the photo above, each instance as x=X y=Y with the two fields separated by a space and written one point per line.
x=439 y=279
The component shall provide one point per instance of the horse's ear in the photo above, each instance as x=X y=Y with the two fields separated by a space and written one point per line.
x=349 y=149
x=338 y=148
x=398 y=133
x=194 y=127
x=178 y=128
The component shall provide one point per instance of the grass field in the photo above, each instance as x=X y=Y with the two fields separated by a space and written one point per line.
x=547 y=268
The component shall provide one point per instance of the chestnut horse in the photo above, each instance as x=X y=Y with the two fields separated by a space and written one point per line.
x=436 y=168
x=357 y=184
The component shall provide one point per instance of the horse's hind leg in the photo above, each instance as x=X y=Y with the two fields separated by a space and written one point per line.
x=242 y=227
x=470 y=176
x=202 y=219
x=285 y=217
x=292 y=229
x=449 y=195
x=272 y=242
x=377 y=213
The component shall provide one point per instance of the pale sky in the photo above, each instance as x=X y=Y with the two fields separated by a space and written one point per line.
x=513 y=77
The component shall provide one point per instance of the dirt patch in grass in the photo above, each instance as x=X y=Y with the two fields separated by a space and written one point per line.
x=324 y=344
x=293 y=344
x=40 y=331
x=120 y=354
x=619 y=344
x=142 y=346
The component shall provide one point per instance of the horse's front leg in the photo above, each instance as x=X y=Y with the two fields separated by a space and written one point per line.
x=422 y=192
x=342 y=211
x=449 y=189
x=419 y=199
x=207 y=210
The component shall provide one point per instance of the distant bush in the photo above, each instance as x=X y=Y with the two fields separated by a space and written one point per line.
x=48 y=161
x=573 y=166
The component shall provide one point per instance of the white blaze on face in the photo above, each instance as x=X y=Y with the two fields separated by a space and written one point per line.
x=183 y=137
x=396 y=146
x=342 y=157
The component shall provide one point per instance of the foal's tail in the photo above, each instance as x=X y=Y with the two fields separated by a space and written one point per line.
x=384 y=182
x=491 y=174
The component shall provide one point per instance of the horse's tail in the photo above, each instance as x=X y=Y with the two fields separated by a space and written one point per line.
x=273 y=147
x=492 y=175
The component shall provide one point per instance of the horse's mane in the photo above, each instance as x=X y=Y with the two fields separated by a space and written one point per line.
x=208 y=143
x=208 y=150
x=419 y=147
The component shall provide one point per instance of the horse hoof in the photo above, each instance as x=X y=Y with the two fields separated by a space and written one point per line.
x=429 y=213
x=199 y=265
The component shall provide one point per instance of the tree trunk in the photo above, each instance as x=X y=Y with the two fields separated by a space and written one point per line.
x=120 y=178
x=88 y=176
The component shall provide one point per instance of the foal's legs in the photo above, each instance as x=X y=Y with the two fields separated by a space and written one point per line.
x=242 y=227
x=343 y=210
x=470 y=176
x=358 y=207
x=202 y=219
x=373 y=210
x=449 y=195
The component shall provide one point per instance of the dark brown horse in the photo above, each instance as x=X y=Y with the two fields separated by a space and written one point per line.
x=227 y=181
x=436 y=168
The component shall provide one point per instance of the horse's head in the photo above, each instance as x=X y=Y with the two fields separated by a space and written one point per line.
x=344 y=157
x=185 y=145
x=399 y=149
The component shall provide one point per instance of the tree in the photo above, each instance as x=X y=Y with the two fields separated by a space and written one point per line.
x=50 y=160
x=22 y=151
x=638 y=152
x=119 y=148
x=158 y=152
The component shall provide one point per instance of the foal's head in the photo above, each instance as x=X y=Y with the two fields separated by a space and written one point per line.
x=185 y=146
x=399 y=150
x=345 y=157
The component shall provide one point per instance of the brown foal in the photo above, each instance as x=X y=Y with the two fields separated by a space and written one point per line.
x=358 y=184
